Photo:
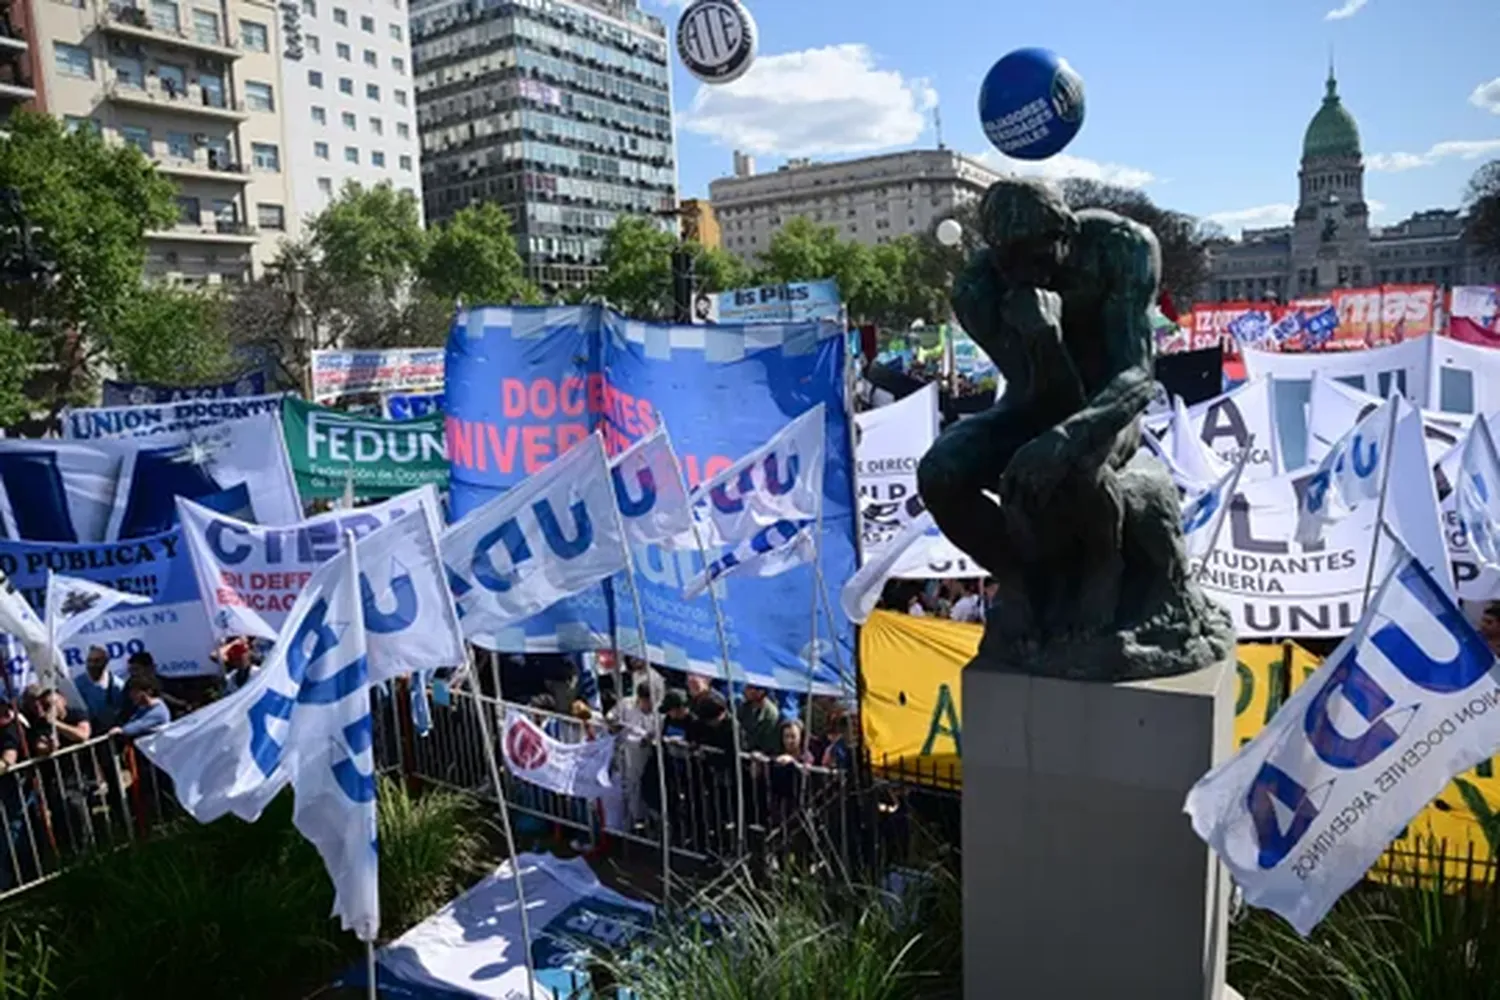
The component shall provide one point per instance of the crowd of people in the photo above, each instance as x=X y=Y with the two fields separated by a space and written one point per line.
x=956 y=600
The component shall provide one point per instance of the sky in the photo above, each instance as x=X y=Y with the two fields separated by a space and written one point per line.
x=1200 y=103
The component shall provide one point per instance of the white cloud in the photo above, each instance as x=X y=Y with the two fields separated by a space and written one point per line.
x=1259 y=217
x=1486 y=96
x=1348 y=9
x=1062 y=166
x=1460 y=149
x=817 y=101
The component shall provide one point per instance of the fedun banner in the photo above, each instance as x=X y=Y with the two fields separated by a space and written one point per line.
x=332 y=451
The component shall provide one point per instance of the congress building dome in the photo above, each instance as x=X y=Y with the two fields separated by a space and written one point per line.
x=1332 y=131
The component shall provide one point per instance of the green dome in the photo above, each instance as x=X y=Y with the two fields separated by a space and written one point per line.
x=1332 y=131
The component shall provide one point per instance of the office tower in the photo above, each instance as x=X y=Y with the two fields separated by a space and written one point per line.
x=559 y=110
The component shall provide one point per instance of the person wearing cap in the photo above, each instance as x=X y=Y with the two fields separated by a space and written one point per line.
x=102 y=692
x=239 y=668
x=148 y=711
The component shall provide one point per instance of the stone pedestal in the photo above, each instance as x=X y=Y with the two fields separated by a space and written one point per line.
x=1082 y=877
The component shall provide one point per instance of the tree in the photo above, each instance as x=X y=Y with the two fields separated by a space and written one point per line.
x=803 y=251
x=637 y=276
x=1482 y=203
x=473 y=257
x=91 y=205
x=172 y=336
x=370 y=236
x=1183 y=238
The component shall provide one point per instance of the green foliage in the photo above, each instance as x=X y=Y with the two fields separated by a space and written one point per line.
x=172 y=336
x=18 y=352
x=637 y=275
x=473 y=257
x=27 y=963
x=369 y=237
x=431 y=847
x=1408 y=939
x=718 y=270
x=800 y=938
x=1482 y=203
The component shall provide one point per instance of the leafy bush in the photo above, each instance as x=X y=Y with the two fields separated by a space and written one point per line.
x=432 y=847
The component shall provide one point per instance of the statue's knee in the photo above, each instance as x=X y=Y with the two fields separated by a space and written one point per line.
x=935 y=477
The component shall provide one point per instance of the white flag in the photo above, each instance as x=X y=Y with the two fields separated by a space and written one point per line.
x=73 y=604
x=1406 y=702
x=304 y=720
x=1348 y=475
x=1477 y=498
x=649 y=491
x=771 y=551
x=779 y=482
x=1204 y=512
x=1188 y=451
x=580 y=770
x=18 y=617
x=862 y=592
x=550 y=537
x=410 y=620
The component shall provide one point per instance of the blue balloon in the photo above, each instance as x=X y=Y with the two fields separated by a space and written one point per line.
x=1031 y=104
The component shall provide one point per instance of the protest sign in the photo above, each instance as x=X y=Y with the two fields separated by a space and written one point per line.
x=139 y=393
x=340 y=373
x=96 y=422
x=1474 y=315
x=250 y=574
x=797 y=302
x=172 y=627
x=332 y=451
x=1465 y=377
x=577 y=770
x=525 y=384
x=891 y=440
x=1227 y=424
x=411 y=405
x=1334 y=407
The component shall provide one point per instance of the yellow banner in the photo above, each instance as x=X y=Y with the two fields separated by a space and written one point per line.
x=913 y=712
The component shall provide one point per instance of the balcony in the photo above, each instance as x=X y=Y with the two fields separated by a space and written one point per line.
x=211 y=169
x=156 y=96
x=11 y=40
x=220 y=231
x=124 y=21
x=17 y=88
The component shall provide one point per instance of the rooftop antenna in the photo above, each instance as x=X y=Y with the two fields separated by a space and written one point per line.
x=937 y=124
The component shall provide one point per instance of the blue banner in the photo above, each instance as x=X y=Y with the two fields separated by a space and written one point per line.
x=525 y=384
x=141 y=393
x=173 y=627
x=411 y=405
x=794 y=302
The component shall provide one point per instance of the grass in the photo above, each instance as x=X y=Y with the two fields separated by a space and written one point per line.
x=229 y=910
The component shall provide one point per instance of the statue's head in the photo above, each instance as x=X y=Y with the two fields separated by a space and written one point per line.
x=1028 y=227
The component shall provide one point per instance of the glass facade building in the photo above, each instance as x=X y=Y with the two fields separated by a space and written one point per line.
x=558 y=110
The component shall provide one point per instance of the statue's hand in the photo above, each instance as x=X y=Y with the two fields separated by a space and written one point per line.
x=1033 y=310
x=1035 y=470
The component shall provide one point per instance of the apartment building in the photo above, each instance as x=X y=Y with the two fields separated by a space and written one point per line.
x=558 y=110
x=351 y=113
x=196 y=86
x=17 y=75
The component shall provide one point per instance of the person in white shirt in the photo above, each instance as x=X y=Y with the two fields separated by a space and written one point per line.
x=969 y=607
x=915 y=608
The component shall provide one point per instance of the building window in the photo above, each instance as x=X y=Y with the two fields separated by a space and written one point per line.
x=346 y=86
x=403 y=130
x=315 y=79
x=325 y=186
x=405 y=162
x=173 y=79
x=396 y=32
x=129 y=73
x=189 y=212
x=179 y=146
x=73 y=60
x=399 y=65
x=370 y=58
x=320 y=150
x=372 y=91
x=377 y=159
x=313 y=43
x=401 y=97
x=259 y=97
x=367 y=25
x=266 y=156
x=138 y=137
x=72 y=123
x=350 y=121
x=164 y=16
x=351 y=154
x=340 y=16
x=320 y=115
x=254 y=37
x=377 y=126
x=226 y=214
x=310 y=8
x=268 y=216
x=206 y=27
x=344 y=52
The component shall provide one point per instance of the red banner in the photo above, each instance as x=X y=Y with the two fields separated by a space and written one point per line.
x=1368 y=317
x=1474 y=315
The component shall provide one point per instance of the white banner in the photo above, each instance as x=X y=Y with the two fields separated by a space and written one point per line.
x=780 y=482
x=1474 y=580
x=550 y=537
x=95 y=423
x=336 y=373
x=250 y=575
x=889 y=442
x=1334 y=408
x=1401 y=368
x=1405 y=703
x=579 y=770
x=649 y=491
x=1465 y=377
x=1275 y=586
x=1227 y=424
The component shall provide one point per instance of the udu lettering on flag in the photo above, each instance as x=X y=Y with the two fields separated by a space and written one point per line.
x=1478 y=494
x=548 y=538
x=1406 y=702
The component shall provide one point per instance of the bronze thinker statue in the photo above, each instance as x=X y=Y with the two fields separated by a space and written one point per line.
x=1047 y=489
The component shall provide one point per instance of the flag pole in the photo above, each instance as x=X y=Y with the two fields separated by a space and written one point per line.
x=1223 y=514
x=817 y=585
x=515 y=865
x=373 y=990
x=1385 y=482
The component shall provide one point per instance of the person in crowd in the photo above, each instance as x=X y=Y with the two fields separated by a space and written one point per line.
x=1489 y=626
x=560 y=681
x=712 y=727
x=56 y=724
x=787 y=773
x=676 y=718
x=915 y=605
x=142 y=665
x=635 y=721
x=102 y=692
x=13 y=798
x=698 y=688
x=239 y=665
x=148 y=710
x=839 y=754
x=969 y=607
x=760 y=723
x=12 y=739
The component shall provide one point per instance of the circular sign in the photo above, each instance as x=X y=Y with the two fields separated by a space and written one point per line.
x=716 y=40
x=1031 y=104
x=525 y=746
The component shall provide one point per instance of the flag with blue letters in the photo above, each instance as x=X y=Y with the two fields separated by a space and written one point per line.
x=649 y=491
x=1477 y=498
x=550 y=537
x=1410 y=699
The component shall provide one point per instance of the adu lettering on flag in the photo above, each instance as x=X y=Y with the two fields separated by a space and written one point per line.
x=97 y=422
x=1334 y=407
x=332 y=451
x=517 y=393
x=172 y=627
x=138 y=393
